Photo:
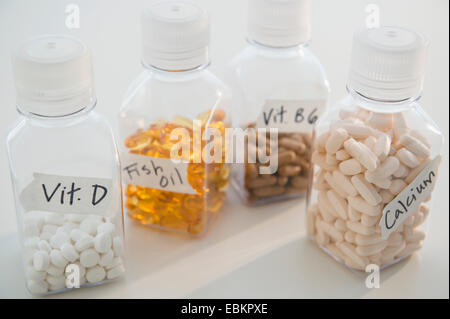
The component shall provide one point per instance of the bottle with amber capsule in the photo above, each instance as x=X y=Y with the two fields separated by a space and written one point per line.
x=168 y=182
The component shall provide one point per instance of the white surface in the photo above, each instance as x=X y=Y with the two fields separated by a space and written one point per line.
x=249 y=252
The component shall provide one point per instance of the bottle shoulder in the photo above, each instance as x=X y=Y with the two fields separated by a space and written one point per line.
x=152 y=79
x=408 y=113
x=256 y=75
x=168 y=90
x=275 y=63
x=15 y=130
x=89 y=125
x=353 y=101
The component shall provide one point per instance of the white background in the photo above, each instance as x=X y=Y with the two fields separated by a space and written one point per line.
x=249 y=252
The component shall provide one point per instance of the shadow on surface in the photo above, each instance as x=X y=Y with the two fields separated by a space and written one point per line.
x=317 y=276
x=232 y=230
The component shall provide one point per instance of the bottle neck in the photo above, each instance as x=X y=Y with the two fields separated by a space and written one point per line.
x=175 y=71
x=64 y=118
x=180 y=74
x=382 y=105
x=289 y=51
x=178 y=62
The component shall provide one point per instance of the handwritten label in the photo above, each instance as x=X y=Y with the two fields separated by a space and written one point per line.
x=291 y=115
x=154 y=172
x=408 y=201
x=67 y=194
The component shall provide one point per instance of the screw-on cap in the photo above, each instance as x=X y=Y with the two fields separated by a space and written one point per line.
x=279 y=23
x=175 y=35
x=388 y=63
x=53 y=76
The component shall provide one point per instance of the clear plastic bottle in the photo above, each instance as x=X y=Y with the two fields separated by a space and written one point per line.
x=376 y=155
x=277 y=73
x=64 y=169
x=174 y=89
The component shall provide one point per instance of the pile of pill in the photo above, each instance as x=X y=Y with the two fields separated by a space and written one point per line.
x=291 y=177
x=363 y=162
x=53 y=241
x=184 y=213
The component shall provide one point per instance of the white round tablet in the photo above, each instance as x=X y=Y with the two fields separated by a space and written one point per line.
x=44 y=245
x=105 y=228
x=37 y=287
x=106 y=259
x=58 y=259
x=59 y=239
x=84 y=243
x=102 y=242
x=95 y=274
x=89 y=258
x=41 y=260
x=69 y=252
x=76 y=234
x=55 y=271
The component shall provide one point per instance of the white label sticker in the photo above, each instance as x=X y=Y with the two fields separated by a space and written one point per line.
x=408 y=201
x=155 y=172
x=291 y=115
x=67 y=194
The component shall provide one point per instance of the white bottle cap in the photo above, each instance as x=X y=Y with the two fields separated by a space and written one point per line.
x=175 y=36
x=53 y=76
x=279 y=23
x=387 y=63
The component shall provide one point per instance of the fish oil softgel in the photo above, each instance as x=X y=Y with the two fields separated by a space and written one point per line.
x=376 y=156
x=172 y=210
x=166 y=119
x=65 y=171
x=278 y=84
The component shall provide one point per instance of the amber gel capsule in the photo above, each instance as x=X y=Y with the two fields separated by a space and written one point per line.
x=175 y=93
